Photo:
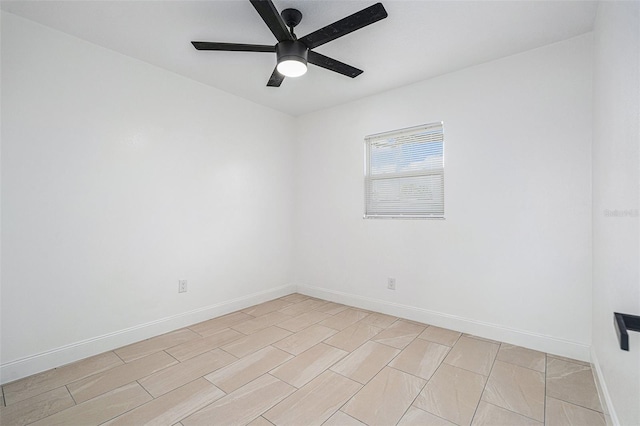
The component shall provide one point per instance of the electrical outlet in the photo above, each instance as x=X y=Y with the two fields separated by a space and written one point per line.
x=391 y=283
x=182 y=286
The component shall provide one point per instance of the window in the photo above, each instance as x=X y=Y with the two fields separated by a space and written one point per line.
x=404 y=173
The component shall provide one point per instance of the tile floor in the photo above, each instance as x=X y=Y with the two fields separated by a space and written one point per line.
x=302 y=361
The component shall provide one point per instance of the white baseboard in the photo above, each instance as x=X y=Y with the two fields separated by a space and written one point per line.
x=603 y=392
x=66 y=354
x=501 y=333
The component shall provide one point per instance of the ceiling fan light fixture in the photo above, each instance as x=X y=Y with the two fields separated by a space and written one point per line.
x=292 y=68
x=292 y=58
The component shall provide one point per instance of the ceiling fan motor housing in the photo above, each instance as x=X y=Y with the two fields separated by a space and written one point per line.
x=291 y=50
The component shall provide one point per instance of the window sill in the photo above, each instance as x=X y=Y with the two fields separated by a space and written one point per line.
x=402 y=217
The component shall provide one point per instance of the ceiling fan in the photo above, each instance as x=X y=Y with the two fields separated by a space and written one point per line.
x=293 y=53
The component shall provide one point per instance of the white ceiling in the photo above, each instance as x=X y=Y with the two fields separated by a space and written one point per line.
x=419 y=39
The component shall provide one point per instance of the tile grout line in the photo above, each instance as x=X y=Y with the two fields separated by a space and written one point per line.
x=546 y=368
x=522 y=366
x=485 y=383
x=415 y=397
x=414 y=400
x=177 y=360
x=71 y=395
x=577 y=405
x=511 y=411
x=564 y=400
x=119 y=357
x=75 y=404
x=350 y=352
x=336 y=412
x=470 y=371
x=428 y=381
x=573 y=403
x=268 y=373
x=145 y=389
x=188 y=328
x=514 y=412
x=132 y=408
x=368 y=381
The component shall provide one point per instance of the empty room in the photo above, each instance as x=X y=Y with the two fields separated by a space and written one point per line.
x=305 y=212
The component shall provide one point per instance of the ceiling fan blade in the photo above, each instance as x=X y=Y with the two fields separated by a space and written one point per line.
x=276 y=79
x=345 y=26
x=271 y=17
x=232 y=47
x=333 y=65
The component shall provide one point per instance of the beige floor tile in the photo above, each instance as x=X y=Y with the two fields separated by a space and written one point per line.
x=303 y=321
x=575 y=361
x=180 y=374
x=260 y=421
x=244 y=404
x=256 y=341
x=473 y=354
x=261 y=322
x=99 y=410
x=523 y=357
x=417 y=417
x=439 y=335
x=399 y=334
x=516 y=389
x=344 y=319
x=452 y=393
x=353 y=336
x=247 y=369
x=561 y=413
x=155 y=344
x=212 y=326
x=35 y=408
x=421 y=358
x=109 y=380
x=365 y=362
x=266 y=307
x=306 y=366
x=332 y=308
x=105 y=386
x=294 y=298
x=204 y=344
x=305 y=339
x=342 y=419
x=384 y=400
x=302 y=307
x=491 y=415
x=379 y=320
x=572 y=383
x=315 y=402
x=52 y=379
x=173 y=406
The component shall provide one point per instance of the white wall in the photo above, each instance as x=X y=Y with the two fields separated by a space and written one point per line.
x=118 y=179
x=616 y=240
x=512 y=260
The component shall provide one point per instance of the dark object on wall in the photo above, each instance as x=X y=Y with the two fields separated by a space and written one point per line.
x=293 y=53
x=624 y=322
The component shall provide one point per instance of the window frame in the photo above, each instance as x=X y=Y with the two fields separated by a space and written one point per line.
x=368 y=178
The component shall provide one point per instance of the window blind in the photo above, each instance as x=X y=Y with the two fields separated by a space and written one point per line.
x=404 y=173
